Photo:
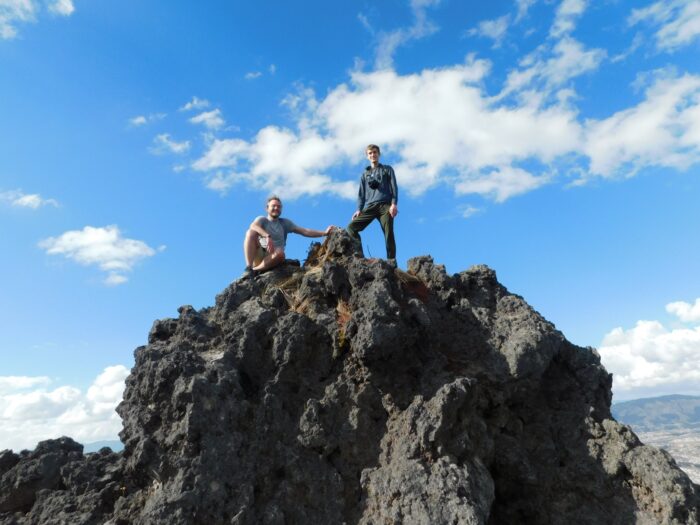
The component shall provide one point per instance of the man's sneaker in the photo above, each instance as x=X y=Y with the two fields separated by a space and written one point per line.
x=248 y=273
x=392 y=263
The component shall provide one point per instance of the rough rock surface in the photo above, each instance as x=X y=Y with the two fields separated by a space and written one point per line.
x=346 y=391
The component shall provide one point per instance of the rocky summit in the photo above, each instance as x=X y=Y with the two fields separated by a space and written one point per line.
x=348 y=391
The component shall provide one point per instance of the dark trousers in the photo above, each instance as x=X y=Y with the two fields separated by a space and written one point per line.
x=377 y=210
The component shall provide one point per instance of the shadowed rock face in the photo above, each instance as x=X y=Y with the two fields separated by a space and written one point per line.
x=347 y=392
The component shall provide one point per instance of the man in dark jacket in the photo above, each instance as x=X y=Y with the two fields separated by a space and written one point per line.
x=377 y=199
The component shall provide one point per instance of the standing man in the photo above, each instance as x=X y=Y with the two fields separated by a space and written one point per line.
x=376 y=199
x=263 y=247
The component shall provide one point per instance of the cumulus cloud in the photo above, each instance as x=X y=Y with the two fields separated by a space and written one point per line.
x=468 y=211
x=15 y=12
x=105 y=248
x=11 y=383
x=550 y=67
x=678 y=22
x=209 y=119
x=19 y=199
x=566 y=16
x=195 y=103
x=493 y=29
x=523 y=8
x=662 y=130
x=62 y=7
x=500 y=184
x=651 y=359
x=31 y=411
x=686 y=312
x=389 y=42
x=162 y=143
x=480 y=144
x=495 y=146
x=142 y=120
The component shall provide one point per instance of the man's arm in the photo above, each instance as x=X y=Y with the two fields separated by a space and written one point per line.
x=360 y=196
x=394 y=209
x=257 y=227
x=308 y=232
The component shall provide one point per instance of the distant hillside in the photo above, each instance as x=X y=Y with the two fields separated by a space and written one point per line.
x=659 y=413
x=115 y=445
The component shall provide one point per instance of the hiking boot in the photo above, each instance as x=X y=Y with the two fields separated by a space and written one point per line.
x=248 y=273
x=392 y=263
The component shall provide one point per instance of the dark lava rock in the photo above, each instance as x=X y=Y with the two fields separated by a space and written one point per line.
x=346 y=391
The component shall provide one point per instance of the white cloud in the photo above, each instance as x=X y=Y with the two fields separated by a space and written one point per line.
x=662 y=130
x=62 y=7
x=195 y=103
x=548 y=68
x=650 y=359
x=494 y=29
x=468 y=211
x=12 y=383
x=138 y=121
x=272 y=69
x=142 y=120
x=686 y=312
x=115 y=279
x=27 y=417
x=501 y=183
x=210 y=119
x=364 y=20
x=164 y=144
x=477 y=142
x=637 y=41
x=389 y=42
x=252 y=75
x=14 y=12
x=523 y=8
x=679 y=22
x=470 y=141
x=565 y=18
x=102 y=247
x=20 y=199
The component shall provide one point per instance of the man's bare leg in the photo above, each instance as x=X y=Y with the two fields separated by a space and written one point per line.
x=250 y=247
x=270 y=261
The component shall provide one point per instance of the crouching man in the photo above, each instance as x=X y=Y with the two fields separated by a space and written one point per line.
x=266 y=238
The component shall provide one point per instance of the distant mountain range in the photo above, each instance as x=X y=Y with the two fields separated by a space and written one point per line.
x=659 y=413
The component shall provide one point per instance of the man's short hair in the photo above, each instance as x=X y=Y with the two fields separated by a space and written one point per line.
x=373 y=146
x=272 y=198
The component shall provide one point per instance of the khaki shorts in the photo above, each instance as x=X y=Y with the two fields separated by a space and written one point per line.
x=259 y=255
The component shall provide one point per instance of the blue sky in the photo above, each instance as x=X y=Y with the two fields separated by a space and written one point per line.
x=556 y=141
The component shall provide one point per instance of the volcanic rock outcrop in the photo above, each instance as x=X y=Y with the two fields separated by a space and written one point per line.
x=346 y=391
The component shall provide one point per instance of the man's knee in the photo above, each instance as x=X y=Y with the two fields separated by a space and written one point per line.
x=251 y=235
